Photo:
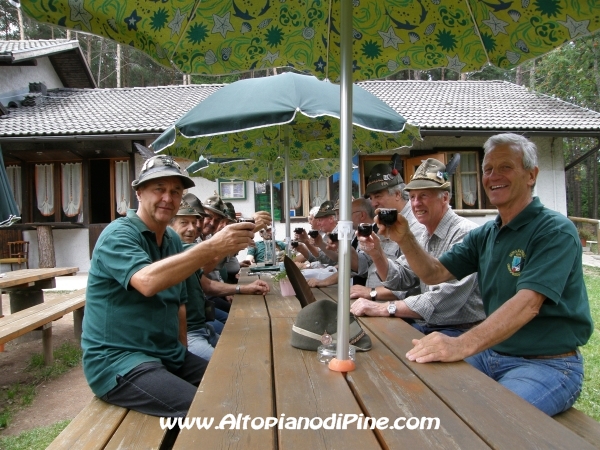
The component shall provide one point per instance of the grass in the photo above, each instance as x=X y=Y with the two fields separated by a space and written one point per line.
x=589 y=401
x=38 y=438
x=17 y=396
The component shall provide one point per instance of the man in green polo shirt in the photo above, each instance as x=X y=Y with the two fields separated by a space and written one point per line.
x=530 y=273
x=134 y=334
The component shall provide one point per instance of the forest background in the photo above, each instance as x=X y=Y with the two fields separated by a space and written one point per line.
x=570 y=73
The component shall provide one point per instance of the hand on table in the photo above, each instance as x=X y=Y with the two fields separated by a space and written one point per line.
x=357 y=291
x=364 y=307
x=437 y=347
x=313 y=282
x=257 y=287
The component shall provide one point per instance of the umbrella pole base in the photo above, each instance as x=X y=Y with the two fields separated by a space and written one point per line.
x=342 y=365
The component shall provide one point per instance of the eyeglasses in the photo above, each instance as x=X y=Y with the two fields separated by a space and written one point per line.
x=354 y=212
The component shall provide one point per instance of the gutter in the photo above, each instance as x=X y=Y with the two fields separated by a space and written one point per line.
x=526 y=133
x=82 y=137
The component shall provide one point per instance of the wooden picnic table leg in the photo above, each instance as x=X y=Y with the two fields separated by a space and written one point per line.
x=47 y=343
x=78 y=323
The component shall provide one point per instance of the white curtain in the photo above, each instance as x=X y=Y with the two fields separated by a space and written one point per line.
x=468 y=163
x=122 y=188
x=14 y=179
x=318 y=191
x=44 y=188
x=295 y=194
x=72 y=189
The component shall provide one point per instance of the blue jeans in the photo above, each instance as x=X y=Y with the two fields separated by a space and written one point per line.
x=447 y=330
x=202 y=342
x=551 y=385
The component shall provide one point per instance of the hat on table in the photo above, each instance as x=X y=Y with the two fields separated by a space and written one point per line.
x=161 y=166
x=319 y=318
x=215 y=205
x=326 y=209
x=431 y=174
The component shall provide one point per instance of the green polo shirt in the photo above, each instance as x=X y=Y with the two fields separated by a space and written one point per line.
x=121 y=328
x=259 y=251
x=195 y=314
x=538 y=250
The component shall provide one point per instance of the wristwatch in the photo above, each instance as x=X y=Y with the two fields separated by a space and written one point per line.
x=392 y=308
x=373 y=294
x=238 y=289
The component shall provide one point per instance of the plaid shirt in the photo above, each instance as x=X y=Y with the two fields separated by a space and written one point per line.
x=454 y=302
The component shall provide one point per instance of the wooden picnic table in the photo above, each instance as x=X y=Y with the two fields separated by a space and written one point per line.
x=256 y=373
x=25 y=286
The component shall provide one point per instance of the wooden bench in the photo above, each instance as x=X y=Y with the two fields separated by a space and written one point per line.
x=101 y=425
x=42 y=315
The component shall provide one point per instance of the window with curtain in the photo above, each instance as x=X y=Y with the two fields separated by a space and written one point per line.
x=44 y=188
x=122 y=186
x=72 y=188
x=14 y=179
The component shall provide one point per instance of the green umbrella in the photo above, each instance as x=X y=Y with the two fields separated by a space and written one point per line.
x=259 y=118
x=226 y=36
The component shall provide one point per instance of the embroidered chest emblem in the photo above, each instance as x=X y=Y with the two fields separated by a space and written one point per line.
x=517 y=261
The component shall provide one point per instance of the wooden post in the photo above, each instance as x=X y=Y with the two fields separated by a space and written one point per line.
x=46 y=247
x=77 y=323
x=47 y=343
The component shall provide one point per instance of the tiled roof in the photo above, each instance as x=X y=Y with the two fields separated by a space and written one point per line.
x=481 y=105
x=20 y=50
x=104 y=111
x=434 y=105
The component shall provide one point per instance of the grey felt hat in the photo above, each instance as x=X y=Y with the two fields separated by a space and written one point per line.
x=216 y=205
x=320 y=317
x=230 y=211
x=326 y=209
x=431 y=174
x=161 y=166
x=195 y=203
x=382 y=176
x=186 y=210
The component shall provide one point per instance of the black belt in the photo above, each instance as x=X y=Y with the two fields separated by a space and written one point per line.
x=458 y=326
x=562 y=355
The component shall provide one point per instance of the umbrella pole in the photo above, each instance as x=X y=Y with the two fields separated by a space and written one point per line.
x=272 y=214
x=286 y=197
x=341 y=362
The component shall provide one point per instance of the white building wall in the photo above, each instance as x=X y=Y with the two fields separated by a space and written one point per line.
x=16 y=79
x=71 y=248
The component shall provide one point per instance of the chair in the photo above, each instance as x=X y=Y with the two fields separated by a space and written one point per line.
x=18 y=252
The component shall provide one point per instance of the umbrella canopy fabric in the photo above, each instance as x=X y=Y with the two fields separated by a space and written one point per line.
x=225 y=36
x=8 y=207
x=261 y=172
x=254 y=118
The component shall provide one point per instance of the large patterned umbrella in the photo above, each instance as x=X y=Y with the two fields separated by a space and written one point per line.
x=336 y=39
x=225 y=36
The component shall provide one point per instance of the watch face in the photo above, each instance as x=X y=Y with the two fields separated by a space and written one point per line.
x=373 y=294
x=392 y=309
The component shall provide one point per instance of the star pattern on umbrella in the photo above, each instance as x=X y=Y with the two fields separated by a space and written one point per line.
x=175 y=24
x=390 y=39
x=222 y=25
x=495 y=24
x=79 y=13
x=454 y=63
x=576 y=28
x=132 y=20
x=271 y=57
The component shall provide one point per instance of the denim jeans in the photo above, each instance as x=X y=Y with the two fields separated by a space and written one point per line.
x=551 y=385
x=202 y=342
x=447 y=330
x=151 y=389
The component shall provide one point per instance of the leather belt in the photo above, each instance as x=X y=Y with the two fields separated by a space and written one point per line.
x=562 y=355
